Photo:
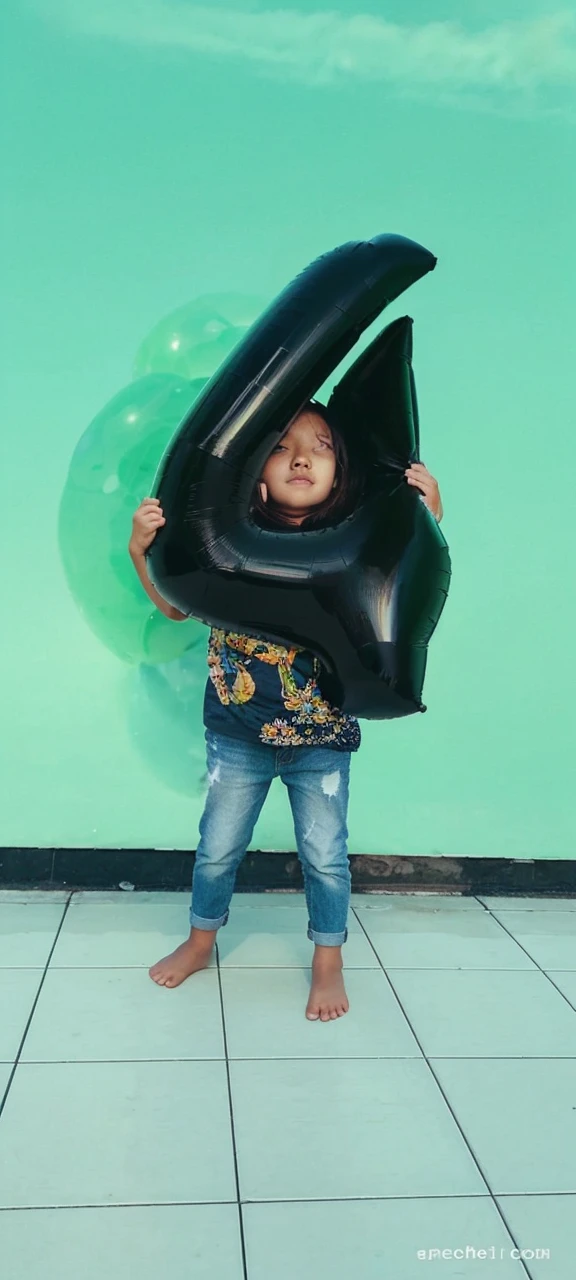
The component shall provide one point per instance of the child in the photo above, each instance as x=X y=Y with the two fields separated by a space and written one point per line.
x=264 y=716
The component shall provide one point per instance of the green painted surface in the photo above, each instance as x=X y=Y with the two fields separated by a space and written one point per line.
x=151 y=166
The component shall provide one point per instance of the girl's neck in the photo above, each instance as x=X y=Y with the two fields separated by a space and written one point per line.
x=288 y=516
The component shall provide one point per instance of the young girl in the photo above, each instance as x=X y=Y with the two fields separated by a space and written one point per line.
x=264 y=716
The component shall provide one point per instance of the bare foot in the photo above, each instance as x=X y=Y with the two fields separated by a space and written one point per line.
x=191 y=955
x=328 y=997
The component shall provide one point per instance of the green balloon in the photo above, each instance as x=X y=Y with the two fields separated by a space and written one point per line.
x=240 y=309
x=195 y=339
x=112 y=469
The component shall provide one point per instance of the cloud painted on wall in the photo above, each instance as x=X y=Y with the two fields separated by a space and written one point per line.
x=507 y=63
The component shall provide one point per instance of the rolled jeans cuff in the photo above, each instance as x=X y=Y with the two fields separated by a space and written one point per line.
x=327 y=939
x=200 y=922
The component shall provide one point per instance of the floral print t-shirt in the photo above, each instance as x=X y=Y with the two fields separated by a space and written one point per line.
x=264 y=692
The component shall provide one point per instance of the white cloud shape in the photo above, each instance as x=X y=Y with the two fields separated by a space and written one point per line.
x=330 y=48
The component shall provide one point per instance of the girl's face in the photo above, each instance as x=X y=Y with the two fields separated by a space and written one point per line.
x=300 y=472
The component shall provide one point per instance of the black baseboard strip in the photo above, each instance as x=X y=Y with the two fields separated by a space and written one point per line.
x=171 y=869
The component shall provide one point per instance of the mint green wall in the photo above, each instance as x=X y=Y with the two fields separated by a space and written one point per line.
x=157 y=153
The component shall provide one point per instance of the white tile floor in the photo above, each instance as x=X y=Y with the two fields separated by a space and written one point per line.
x=211 y=1130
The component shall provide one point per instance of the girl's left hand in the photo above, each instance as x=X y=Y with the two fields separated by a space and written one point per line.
x=419 y=475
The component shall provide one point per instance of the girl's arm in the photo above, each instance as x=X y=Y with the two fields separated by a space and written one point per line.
x=169 y=610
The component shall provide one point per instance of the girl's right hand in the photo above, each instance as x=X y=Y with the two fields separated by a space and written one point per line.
x=146 y=520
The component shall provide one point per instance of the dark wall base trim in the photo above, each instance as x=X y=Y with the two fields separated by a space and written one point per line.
x=171 y=869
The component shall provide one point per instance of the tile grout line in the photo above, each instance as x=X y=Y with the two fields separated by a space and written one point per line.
x=167 y=1204
x=545 y=972
x=428 y=1062
x=354 y=968
x=16 y=1061
x=232 y=1119
x=326 y=1057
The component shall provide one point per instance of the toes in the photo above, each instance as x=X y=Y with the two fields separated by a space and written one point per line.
x=326 y=1015
x=326 y=1012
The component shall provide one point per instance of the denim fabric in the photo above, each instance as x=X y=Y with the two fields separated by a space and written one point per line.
x=239 y=778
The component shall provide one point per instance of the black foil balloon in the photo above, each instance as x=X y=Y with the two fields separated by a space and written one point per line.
x=364 y=594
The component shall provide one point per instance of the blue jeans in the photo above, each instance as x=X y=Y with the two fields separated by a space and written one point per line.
x=239 y=776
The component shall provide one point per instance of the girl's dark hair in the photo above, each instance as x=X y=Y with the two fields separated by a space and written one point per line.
x=341 y=500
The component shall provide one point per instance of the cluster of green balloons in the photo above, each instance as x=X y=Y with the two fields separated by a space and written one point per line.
x=114 y=465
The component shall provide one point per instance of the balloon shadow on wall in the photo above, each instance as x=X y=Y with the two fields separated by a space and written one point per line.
x=163 y=707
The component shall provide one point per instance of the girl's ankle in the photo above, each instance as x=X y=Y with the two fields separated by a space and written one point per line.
x=203 y=937
x=327 y=953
